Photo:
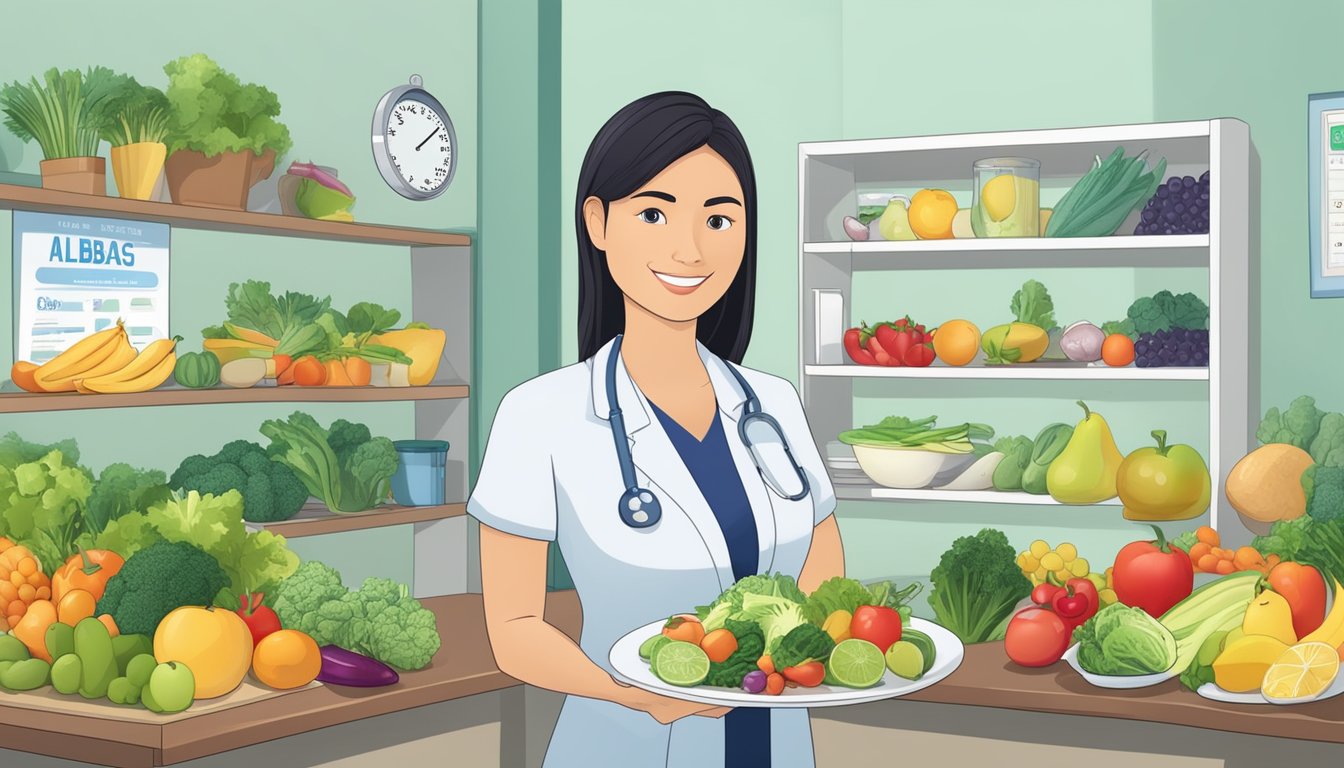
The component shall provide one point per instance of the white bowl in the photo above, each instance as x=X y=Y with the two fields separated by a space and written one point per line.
x=907 y=468
x=1117 y=681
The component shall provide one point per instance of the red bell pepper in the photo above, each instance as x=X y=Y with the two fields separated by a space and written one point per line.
x=854 y=347
x=1153 y=575
x=1076 y=602
x=1304 y=589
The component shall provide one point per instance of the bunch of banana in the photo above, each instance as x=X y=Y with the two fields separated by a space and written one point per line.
x=101 y=362
x=148 y=370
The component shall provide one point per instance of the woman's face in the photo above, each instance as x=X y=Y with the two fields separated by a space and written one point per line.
x=675 y=244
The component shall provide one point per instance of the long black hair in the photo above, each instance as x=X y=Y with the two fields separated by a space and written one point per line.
x=636 y=144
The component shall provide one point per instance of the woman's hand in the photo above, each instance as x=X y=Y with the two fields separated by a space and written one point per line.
x=665 y=709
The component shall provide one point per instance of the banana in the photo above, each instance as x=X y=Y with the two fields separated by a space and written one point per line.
x=144 y=373
x=121 y=357
x=83 y=355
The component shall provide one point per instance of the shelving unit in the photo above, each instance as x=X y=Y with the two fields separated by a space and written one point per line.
x=830 y=176
x=441 y=295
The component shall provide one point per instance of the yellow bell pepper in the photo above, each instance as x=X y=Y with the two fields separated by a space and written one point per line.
x=32 y=628
x=837 y=625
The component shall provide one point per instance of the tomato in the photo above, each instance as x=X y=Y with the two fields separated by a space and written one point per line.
x=877 y=624
x=1305 y=591
x=1154 y=576
x=685 y=628
x=1036 y=638
x=807 y=675
x=719 y=645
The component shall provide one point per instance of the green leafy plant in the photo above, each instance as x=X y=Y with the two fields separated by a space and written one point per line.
x=65 y=112
x=212 y=111
x=135 y=113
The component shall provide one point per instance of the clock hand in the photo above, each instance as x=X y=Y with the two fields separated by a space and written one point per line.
x=427 y=138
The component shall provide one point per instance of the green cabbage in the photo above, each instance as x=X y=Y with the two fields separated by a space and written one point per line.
x=1124 y=640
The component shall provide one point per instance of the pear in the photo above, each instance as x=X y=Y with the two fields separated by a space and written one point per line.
x=894 y=224
x=1085 y=472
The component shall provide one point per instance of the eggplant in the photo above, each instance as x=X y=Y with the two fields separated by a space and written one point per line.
x=342 y=667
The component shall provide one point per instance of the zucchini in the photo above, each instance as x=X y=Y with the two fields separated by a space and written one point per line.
x=1218 y=605
x=925 y=645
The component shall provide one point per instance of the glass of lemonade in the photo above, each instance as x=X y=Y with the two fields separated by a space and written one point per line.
x=1006 y=201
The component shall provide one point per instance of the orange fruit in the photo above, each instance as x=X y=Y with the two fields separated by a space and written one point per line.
x=931 y=214
x=286 y=658
x=1117 y=350
x=957 y=342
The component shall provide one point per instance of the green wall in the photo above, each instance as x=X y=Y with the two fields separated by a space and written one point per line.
x=329 y=70
x=1259 y=63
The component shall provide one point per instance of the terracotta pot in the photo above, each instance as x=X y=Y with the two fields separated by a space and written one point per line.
x=136 y=168
x=263 y=166
x=85 y=175
x=221 y=181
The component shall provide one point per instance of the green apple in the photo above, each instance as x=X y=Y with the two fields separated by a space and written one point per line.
x=171 y=686
x=894 y=224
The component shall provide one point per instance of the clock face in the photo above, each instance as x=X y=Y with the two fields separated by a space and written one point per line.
x=419 y=145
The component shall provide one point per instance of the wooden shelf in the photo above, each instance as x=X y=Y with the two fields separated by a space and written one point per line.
x=953 y=245
x=16 y=197
x=1033 y=371
x=316 y=519
x=24 y=402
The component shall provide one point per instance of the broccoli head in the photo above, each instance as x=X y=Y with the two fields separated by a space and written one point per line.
x=157 y=580
x=1296 y=426
x=346 y=436
x=367 y=470
x=1325 y=492
x=805 y=642
x=271 y=491
x=750 y=645
x=976 y=585
x=299 y=598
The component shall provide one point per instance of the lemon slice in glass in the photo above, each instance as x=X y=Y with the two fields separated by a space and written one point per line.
x=1301 y=672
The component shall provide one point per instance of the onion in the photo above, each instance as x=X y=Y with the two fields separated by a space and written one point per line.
x=754 y=681
x=855 y=229
x=1081 y=342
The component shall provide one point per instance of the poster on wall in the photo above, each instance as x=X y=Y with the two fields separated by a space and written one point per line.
x=1325 y=191
x=75 y=275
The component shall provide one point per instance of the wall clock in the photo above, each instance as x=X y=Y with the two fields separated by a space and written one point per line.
x=414 y=145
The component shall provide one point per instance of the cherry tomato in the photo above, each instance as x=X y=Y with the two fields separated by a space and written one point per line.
x=877 y=624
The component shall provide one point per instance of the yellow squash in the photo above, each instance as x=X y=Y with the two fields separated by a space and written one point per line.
x=1242 y=665
x=423 y=345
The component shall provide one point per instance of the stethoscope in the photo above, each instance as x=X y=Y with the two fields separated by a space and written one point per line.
x=639 y=507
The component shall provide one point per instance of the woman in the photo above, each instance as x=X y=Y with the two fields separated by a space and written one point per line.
x=666 y=224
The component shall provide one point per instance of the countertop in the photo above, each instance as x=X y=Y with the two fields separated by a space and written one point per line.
x=465 y=667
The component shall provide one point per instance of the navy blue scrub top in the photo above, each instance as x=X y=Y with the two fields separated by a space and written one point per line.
x=746 y=729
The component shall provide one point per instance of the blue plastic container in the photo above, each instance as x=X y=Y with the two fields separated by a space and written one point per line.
x=420 y=473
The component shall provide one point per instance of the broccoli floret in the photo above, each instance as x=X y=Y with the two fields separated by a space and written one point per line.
x=367 y=473
x=1325 y=485
x=299 y=598
x=271 y=491
x=805 y=642
x=158 y=580
x=1285 y=538
x=976 y=584
x=404 y=635
x=346 y=436
x=1296 y=426
x=750 y=645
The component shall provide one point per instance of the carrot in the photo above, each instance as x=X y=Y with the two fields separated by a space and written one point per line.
x=309 y=372
x=1224 y=567
x=719 y=645
x=285 y=377
x=336 y=375
x=766 y=664
x=1247 y=559
x=774 y=684
x=1207 y=535
x=1209 y=563
x=1199 y=550
x=357 y=368
x=282 y=363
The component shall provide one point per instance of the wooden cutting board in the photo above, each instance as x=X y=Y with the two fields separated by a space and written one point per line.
x=47 y=699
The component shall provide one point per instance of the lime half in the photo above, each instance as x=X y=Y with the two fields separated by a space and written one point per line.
x=855 y=663
x=679 y=663
x=905 y=660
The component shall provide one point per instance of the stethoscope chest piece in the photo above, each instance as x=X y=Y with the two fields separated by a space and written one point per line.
x=640 y=508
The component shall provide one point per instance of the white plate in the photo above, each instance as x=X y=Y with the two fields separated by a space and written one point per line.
x=1117 y=681
x=632 y=669
x=1212 y=692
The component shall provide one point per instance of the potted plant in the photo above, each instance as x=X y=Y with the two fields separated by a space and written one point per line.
x=64 y=114
x=136 y=126
x=222 y=134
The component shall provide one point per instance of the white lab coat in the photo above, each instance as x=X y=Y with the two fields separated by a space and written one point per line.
x=550 y=472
